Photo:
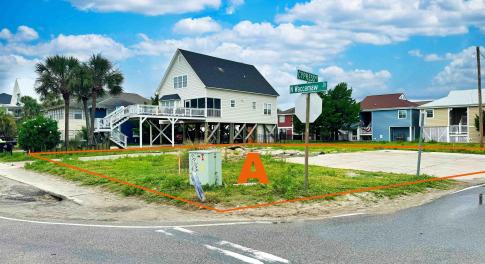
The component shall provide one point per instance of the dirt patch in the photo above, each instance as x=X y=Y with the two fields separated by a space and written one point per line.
x=366 y=203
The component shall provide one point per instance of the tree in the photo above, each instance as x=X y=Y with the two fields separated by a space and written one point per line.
x=82 y=90
x=8 y=128
x=55 y=79
x=105 y=79
x=339 y=111
x=30 y=107
x=39 y=134
x=477 y=121
x=155 y=100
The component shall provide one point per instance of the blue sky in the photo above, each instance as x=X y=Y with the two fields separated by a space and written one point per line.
x=422 y=48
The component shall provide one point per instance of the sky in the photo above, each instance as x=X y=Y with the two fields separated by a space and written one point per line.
x=424 y=48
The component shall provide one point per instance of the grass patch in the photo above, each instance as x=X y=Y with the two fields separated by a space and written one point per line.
x=286 y=179
x=16 y=156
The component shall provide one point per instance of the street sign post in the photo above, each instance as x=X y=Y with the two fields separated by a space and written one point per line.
x=310 y=114
x=315 y=87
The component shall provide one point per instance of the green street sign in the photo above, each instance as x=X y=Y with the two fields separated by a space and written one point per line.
x=308 y=87
x=306 y=76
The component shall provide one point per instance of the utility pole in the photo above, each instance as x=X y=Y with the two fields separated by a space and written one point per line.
x=480 y=111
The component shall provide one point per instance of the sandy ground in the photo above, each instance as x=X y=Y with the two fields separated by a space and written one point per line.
x=24 y=201
x=438 y=164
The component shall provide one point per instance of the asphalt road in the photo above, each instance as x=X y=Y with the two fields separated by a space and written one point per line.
x=449 y=230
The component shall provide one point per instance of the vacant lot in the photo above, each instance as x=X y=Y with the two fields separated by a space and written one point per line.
x=436 y=164
x=286 y=179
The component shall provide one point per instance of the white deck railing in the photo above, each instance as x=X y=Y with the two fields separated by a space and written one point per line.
x=110 y=121
x=458 y=129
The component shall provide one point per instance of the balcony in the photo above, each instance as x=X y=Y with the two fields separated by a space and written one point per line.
x=212 y=112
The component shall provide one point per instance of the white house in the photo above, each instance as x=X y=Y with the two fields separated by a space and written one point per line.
x=11 y=102
x=238 y=102
x=203 y=98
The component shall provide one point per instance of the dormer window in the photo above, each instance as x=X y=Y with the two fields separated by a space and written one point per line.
x=180 y=81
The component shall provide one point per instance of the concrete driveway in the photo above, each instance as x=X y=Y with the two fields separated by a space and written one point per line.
x=437 y=164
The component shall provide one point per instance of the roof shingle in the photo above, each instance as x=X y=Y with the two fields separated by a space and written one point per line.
x=385 y=101
x=225 y=74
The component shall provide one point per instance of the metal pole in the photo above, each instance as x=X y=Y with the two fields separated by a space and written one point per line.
x=480 y=111
x=420 y=149
x=307 y=132
x=141 y=132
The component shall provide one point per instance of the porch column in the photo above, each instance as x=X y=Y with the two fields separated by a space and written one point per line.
x=410 y=134
x=231 y=133
x=206 y=132
x=173 y=132
x=140 y=137
x=151 y=135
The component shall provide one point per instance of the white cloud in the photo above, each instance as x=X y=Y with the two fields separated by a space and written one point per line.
x=383 y=22
x=415 y=53
x=81 y=46
x=146 y=7
x=196 y=26
x=460 y=73
x=24 y=33
x=14 y=67
x=433 y=57
x=232 y=5
x=363 y=82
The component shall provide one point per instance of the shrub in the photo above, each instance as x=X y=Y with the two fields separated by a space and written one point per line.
x=38 y=134
x=8 y=129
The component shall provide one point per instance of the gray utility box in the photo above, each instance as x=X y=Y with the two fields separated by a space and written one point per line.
x=207 y=166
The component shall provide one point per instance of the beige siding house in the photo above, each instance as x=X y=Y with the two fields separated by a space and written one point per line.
x=451 y=118
x=237 y=101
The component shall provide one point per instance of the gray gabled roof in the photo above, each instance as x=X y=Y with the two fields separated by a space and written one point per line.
x=170 y=97
x=5 y=98
x=456 y=98
x=226 y=74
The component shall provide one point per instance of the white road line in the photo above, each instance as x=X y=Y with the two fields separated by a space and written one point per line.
x=181 y=229
x=130 y=227
x=234 y=255
x=256 y=253
x=164 y=232
x=469 y=188
x=345 y=215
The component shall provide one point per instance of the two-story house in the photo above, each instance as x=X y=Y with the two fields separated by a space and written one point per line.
x=105 y=105
x=285 y=123
x=202 y=99
x=451 y=118
x=388 y=117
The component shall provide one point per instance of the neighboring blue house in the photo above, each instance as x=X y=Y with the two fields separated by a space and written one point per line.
x=388 y=117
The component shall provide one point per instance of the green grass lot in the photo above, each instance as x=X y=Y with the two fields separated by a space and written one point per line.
x=286 y=180
x=16 y=156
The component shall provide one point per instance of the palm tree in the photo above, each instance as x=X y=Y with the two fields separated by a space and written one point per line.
x=55 y=78
x=105 y=79
x=82 y=89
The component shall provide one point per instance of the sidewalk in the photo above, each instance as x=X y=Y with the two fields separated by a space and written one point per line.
x=51 y=184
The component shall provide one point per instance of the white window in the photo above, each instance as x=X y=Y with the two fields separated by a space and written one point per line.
x=233 y=103
x=180 y=81
x=254 y=105
x=402 y=114
x=281 y=118
x=429 y=113
x=77 y=114
x=170 y=103
x=267 y=109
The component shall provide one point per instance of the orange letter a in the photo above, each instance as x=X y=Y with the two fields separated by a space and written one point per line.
x=259 y=173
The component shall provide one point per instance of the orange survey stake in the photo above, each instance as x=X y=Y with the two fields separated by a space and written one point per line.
x=258 y=173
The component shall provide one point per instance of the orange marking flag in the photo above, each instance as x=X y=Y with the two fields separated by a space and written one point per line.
x=259 y=172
